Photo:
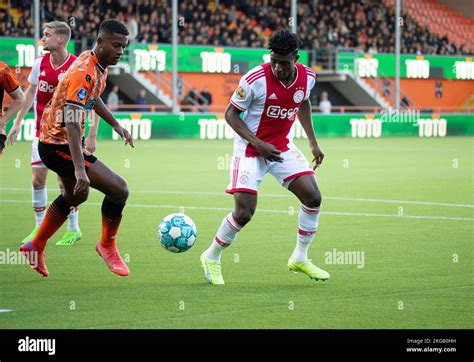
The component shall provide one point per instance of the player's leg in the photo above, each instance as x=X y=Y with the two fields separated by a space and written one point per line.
x=245 y=177
x=58 y=159
x=245 y=205
x=115 y=189
x=39 y=193
x=39 y=196
x=295 y=173
x=307 y=191
x=73 y=232
x=55 y=217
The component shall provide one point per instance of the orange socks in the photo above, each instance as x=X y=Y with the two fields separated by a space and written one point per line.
x=55 y=216
x=109 y=230
x=111 y=217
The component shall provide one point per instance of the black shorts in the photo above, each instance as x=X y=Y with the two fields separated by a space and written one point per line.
x=58 y=159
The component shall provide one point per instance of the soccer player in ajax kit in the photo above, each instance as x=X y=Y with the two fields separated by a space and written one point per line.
x=45 y=75
x=271 y=95
x=60 y=148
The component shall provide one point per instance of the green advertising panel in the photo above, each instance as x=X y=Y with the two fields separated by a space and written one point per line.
x=158 y=57
x=21 y=51
x=146 y=126
x=411 y=66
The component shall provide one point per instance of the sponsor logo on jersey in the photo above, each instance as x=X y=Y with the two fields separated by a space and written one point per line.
x=278 y=112
x=273 y=96
x=89 y=105
x=241 y=94
x=82 y=94
x=45 y=87
x=298 y=96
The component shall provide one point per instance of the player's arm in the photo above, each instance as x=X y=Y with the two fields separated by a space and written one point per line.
x=232 y=116
x=18 y=102
x=306 y=121
x=72 y=119
x=102 y=110
x=91 y=141
x=240 y=101
x=29 y=99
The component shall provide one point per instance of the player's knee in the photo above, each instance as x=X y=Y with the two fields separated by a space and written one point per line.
x=243 y=216
x=77 y=198
x=38 y=183
x=313 y=200
x=121 y=191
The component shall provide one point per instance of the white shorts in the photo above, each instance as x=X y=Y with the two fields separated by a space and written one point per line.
x=35 y=157
x=246 y=173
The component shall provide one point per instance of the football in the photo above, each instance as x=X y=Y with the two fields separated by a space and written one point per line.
x=177 y=233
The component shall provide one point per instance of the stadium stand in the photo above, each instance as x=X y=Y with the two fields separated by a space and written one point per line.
x=365 y=25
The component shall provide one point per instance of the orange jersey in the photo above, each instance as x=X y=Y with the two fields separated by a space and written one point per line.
x=8 y=82
x=81 y=86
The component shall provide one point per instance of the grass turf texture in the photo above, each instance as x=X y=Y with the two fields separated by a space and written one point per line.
x=417 y=271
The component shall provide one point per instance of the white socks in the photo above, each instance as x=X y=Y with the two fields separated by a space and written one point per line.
x=308 y=219
x=40 y=199
x=73 y=219
x=307 y=227
x=225 y=236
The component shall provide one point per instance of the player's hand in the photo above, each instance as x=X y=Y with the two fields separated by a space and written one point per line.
x=82 y=181
x=269 y=152
x=318 y=156
x=125 y=135
x=90 y=144
x=13 y=134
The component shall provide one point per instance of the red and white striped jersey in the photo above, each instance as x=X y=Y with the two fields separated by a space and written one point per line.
x=270 y=107
x=46 y=77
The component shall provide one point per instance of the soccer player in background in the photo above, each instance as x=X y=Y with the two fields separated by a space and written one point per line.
x=61 y=149
x=9 y=84
x=271 y=95
x=45 y=75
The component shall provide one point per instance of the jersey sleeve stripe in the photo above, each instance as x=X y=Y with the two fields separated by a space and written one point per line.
x=256 y=78
x=253 y=75
x=72 y=103
x=236 y=106
x=13 y=89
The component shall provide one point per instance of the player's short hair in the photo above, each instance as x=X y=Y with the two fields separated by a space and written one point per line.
x=59 y=27
x=113 y=26
x=284 y=42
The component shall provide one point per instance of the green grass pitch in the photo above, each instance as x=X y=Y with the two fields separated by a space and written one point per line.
x=405 y=204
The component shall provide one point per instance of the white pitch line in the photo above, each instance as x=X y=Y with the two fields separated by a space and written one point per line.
x=6 y=310
x=212 y=193
x=176 y=207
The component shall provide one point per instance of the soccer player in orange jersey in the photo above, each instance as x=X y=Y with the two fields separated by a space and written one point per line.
x=61 y=149
x=9 y=84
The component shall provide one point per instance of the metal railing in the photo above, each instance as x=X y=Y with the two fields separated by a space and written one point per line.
x=334 y=109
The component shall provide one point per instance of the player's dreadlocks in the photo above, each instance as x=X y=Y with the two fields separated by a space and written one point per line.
x=284 y=42
x=112 y=26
